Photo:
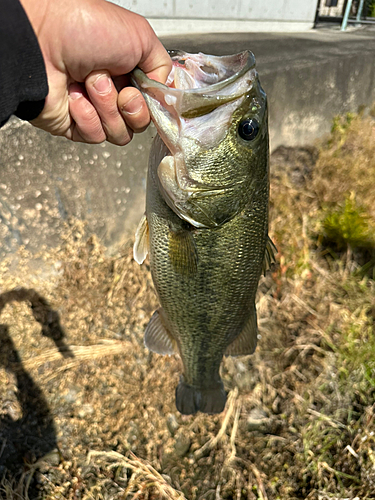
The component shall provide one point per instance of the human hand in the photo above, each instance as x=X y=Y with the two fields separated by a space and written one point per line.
x=89 y=46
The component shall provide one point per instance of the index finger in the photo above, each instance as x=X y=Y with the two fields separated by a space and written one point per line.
x=155 y=61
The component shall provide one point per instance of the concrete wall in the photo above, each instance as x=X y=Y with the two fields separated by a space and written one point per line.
x=46 y=181
x=194 y=16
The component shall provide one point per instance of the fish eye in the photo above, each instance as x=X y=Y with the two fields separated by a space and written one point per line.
x=248 y=129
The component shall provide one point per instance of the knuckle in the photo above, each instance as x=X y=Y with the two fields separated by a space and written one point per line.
x=88 y=114
x=148 y=28
x=112 y=112
x=90 y=122
x=121 y=139
x=95 y=135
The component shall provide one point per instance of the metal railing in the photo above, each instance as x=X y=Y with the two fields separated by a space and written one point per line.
x=357 y=20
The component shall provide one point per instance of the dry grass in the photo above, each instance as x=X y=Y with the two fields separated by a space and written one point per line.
x=15 y=489
x=299 y=422
x=145 y=480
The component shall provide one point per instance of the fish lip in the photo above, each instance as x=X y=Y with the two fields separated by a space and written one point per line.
x=140 y=80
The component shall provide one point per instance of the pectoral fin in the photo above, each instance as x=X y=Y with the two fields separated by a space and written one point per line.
x=269 y=255
x=182 y=252
x=246 y=341
x=157 y=338
x=141 y=245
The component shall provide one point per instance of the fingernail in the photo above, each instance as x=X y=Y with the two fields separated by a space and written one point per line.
x=75 y=95
x=102 y=84
x=134 y=106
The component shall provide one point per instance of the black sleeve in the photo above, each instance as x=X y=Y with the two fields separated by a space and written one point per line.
x=23 y=80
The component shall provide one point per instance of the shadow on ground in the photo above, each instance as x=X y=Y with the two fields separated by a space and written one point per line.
x=29 y=433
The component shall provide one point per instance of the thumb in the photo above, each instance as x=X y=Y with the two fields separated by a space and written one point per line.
x=155 y=61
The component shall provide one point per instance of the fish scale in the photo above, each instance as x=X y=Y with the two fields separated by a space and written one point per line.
x=207 y=240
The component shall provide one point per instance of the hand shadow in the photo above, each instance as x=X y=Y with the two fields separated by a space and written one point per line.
x=33 y=435
x=43 y=313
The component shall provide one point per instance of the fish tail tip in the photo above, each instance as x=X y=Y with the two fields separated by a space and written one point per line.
x=190 y=400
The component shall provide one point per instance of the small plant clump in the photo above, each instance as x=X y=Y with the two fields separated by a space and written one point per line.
x=348 y=227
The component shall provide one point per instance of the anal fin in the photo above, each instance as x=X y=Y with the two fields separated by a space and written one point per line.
x=246 y=342
x=269 y=255
x=141 y=245
x=157 y=338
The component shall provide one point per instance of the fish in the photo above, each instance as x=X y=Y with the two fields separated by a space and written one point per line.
x=205 y=227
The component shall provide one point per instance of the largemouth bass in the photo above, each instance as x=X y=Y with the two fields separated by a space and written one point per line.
x=206 y=220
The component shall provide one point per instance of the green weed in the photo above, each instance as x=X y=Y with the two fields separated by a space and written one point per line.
x=347 y=226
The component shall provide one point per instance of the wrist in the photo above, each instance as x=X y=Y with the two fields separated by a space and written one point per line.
x=36 y=12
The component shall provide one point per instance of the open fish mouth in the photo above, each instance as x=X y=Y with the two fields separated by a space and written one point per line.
x=199 y=83
x=196 y=71
x=200 y=96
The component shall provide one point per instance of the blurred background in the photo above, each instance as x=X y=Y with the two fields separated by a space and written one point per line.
x=177 y=16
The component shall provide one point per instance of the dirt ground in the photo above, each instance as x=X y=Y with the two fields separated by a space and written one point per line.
x=86 y=412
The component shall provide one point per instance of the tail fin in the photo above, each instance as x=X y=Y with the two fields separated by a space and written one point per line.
x=190 y=399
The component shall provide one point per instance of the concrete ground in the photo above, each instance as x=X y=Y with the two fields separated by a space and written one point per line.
x=46 y=181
